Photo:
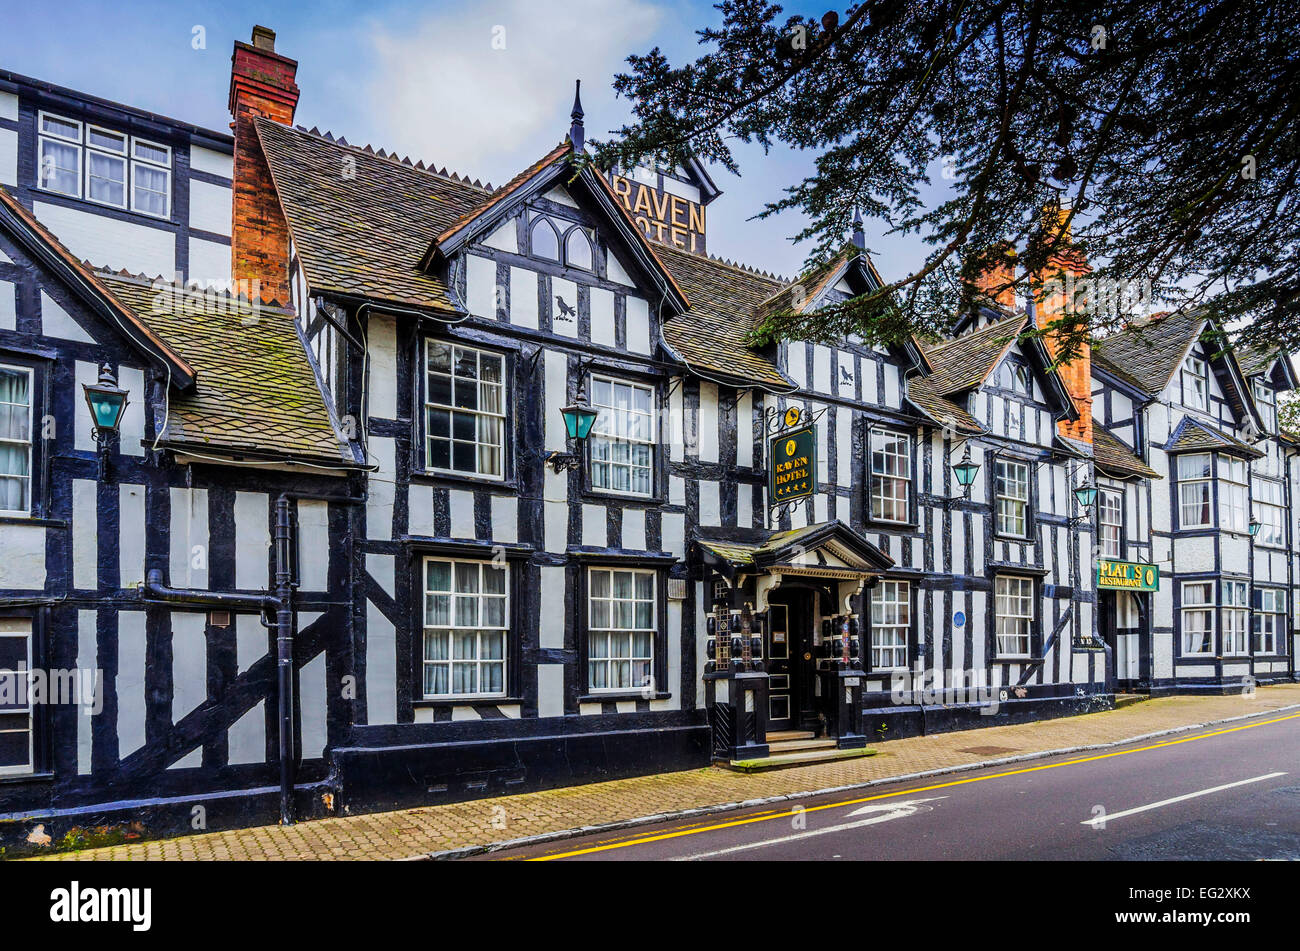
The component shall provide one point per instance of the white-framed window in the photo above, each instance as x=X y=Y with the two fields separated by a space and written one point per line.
x=1266 y=400
x=891 y=476
x=60 y=155
x=623 y=437
x=151 y=177
x=1014 y=615
x=1236 y=617
x=1194 y=491
x=79 y=160
x=1234 y=494
x=1012 y=490
x=1270 y=509
x=577 y=249
x=1270 y=620
x=891 y=620
x=1196 y=384
x=544 y=242
x=620 y=629
x=464 y=410
x=17 y=750
x=15 y=440
x=1110 y=522
x=106 y=166
x=466 y=622
x=1197 y=616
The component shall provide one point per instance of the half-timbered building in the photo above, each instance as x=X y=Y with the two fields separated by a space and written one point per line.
x=489 y=489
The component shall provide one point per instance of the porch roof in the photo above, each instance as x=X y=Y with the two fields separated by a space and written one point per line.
x=826 y=549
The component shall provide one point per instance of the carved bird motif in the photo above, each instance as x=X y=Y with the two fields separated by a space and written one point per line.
x=566 y=311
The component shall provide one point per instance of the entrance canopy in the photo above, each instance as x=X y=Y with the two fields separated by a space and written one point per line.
x=828 y=550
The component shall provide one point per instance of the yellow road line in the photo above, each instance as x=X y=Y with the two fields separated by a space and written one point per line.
x=766 y=817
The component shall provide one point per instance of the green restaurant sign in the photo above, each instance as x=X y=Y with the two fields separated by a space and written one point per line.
x=1128 y=575
x=792 y=465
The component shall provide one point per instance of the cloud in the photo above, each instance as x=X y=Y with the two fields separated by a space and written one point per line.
x=486 y=91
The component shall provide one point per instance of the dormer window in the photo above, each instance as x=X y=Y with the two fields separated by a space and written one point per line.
x=1267 y=403
x=1196 y=384
x=1015 y=377
x=569 y=244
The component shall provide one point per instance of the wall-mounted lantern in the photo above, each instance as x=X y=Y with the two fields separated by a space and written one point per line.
x=579 y=417
x=1085 y=495
x=965 y=472
x=1255 y=525
x=107 y=403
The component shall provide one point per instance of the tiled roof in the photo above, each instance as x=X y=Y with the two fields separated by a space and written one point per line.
x=939 y=408
x=966 y=361
x=1256 y=360
x=1112 y=456
x=714 y=334
x=255 y=391
x=361 y=222
x=1192 y=435
x=1148 y=354
x=809 y=286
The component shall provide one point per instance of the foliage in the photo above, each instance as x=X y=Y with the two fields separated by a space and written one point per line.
x=1166 y=130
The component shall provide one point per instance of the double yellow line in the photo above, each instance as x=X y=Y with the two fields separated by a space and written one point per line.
x=784 y=814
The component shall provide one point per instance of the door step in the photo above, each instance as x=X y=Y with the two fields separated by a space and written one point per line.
x=778 y=736
x=800 y=758
x=795 y=746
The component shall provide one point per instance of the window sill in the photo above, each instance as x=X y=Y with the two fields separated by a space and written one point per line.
x=83 y=200
x=615 y=696
x=8 y=778
x=597 y=496
x=883 y=525
x=463 y=701
x=451 y=479
x=14 y=518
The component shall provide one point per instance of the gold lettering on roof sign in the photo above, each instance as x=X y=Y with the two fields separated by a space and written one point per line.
x=661 y=216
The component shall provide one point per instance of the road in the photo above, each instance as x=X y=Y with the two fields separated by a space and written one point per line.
x=1232 y=792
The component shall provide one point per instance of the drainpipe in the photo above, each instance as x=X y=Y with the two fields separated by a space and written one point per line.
x=284 y=656
x=279 y=604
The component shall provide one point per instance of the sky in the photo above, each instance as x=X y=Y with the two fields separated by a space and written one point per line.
x=422 y=79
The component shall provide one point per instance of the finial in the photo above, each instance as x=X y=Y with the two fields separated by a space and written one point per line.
x=576 y=134
x=859 y=236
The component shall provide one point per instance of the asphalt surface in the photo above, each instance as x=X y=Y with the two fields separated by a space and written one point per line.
x=1226 y=793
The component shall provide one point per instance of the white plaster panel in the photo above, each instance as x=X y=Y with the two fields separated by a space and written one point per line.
x=189 y=662
x=252 y=641
x=87 y=659
x=57 y=322
x=707 y=432
x=710 y=503
x=108 y=242
x=481 y=286
x=505 y=518
x=131 y=442
x=381 y=667
x=550 y=690
x=638 y=325
x=85 y=534
x=311 y=700
x=132 y=532
x=313 y=545
x=523 y=297
x=189 y=538
x=602 y=316
x=8 y=157
x=551 y=626
x=252 y=539
x=595 y=526
x=246 y=738
x=380 y=567
x=504 y=238
x=383 y=367
x=460 y=503
x=634 y=529
x=130 y=682
x=212 y=162
x=568 y=292
x=210 y=207
x=209 y=263
x=379 y=505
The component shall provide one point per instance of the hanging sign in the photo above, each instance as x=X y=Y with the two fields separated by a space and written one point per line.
x=1128 y=575
x=792 y=465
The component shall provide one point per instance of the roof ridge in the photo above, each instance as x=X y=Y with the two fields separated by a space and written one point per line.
x=130 y=277
x=405 y=160
x=738 y=266
x=964 y=338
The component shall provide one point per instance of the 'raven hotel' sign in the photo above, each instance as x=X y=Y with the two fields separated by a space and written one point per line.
x=666 y=218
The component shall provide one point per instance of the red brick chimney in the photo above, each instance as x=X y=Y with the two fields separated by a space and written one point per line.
x=995 y=282
x=1050 y=293
x=261 y=84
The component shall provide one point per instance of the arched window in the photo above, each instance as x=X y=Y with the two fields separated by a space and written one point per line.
x=545 y=242
x=577 y=249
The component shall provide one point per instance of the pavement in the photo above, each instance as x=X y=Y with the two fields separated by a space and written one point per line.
x=532 y=819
